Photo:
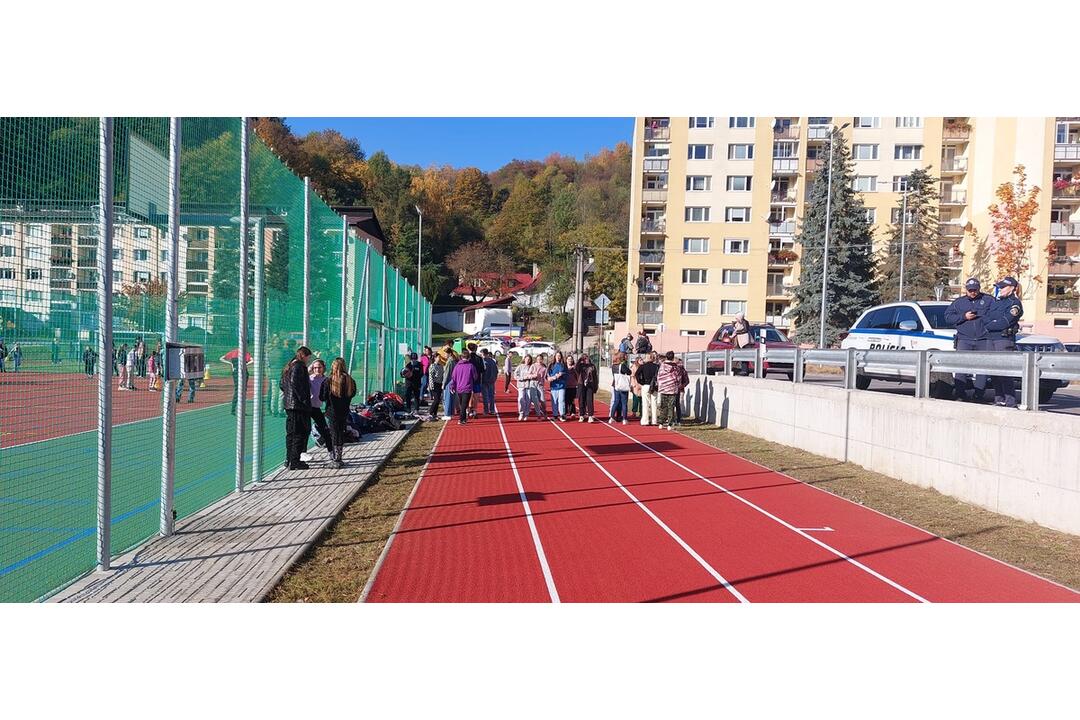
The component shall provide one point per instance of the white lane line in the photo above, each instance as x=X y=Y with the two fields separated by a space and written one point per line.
x=820 y=529
x=401 y=518
x=682 y=543
x=769 y=515
x=528 y=515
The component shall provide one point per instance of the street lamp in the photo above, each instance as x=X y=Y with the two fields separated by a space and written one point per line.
x=825 y=257
x=419 y=249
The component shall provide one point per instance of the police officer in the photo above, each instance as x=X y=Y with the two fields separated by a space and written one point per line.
x=1002 y=323
x=967 y=314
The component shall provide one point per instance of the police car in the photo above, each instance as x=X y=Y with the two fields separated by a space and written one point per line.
x=922 y=326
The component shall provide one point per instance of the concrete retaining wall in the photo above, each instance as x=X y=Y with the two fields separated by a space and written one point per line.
x=1021 y=464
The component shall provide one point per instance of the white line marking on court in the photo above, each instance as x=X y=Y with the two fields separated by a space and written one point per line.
x=820 y=529
x=682 y=543
x=528 y=515
x=769 y=515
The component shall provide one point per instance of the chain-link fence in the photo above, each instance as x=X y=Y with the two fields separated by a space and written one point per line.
x=66 y=483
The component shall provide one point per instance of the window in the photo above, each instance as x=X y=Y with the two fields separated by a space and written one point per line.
x=9 y=273
x=656 y=182
x=699 y=152
x=164 y=256
x=736 y=246
x=37 y=231
x=734 y=277
x=740 y=151
x=692 y=333
x=694 y=276
x=142 y=233
x=894 y=216
x=163 y=277
x=737 y=214
x=813 y=152
x=198 y=234
x=142 y=276
x=739 y=183
x=699 y=182
x=899 y=183
x=117 y=276
x=34 y=252
x=732 y=307
x=693 y=307
x=864 y=183
x=7 y=229
x=907 y=152
x=880 y=319
x=141 y=255
x=909 y=122
x=34 y=296
x=7 y=251
x=33 y=273
x=697 y=214
x=1062 y=323
x=695 y=246
x=867 y=122
x=783 y=150
x=818 y=120
x=657 y=150
x=864 y=152
x=701 y=122
x=740 y=122
x=906 y=314
x=871 y=215
x=117 y=254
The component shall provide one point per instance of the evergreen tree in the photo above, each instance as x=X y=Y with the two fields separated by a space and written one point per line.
x=851 y=261
x=926 y=253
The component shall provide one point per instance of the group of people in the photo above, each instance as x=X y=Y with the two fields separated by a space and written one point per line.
x=573 y=387
x=462 y=382
x=131 y=362
x=310 y=396
x=15 y=354
x=985 y=323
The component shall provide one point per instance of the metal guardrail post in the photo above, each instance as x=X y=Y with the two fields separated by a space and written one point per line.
x=800 y=366
x=727 y=363
x=759 y=362
x=1029 y=391
x=704 y=366
x=850 y=369
x=922 y=376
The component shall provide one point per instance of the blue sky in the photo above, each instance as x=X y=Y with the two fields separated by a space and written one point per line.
x=487 y=143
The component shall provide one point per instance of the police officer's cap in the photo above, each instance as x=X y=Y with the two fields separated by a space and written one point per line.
x=1007 y=281
x=972 y=284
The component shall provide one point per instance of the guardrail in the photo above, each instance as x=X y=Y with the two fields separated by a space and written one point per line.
x=919 y=366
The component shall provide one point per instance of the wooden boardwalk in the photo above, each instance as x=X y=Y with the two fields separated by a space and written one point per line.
x=237 y=549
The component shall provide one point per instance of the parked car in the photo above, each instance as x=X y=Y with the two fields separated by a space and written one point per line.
x=1072 y=347
x=774 y=338
x=922 y=326
x=534 y=348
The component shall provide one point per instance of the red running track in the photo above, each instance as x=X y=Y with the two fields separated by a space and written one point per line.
x=611 y=513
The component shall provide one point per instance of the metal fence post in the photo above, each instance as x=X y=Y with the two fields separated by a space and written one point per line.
x=704 y=362
x=759 y=361
x=241 y=340
x=1029 y=389
x=800 y=370
x=307 y=261
x=922 y=375
x=105 y=349
x=259 y=354
x=728 y=370
x=344 y=276
x=168 y=399
x=850 y=369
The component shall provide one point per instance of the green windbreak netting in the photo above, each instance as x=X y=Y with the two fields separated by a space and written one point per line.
x=49 y=290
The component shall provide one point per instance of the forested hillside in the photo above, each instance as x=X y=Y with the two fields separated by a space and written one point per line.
x=525 y=212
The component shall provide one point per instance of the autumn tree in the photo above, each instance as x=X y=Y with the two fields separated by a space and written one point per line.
x=1012 y=229
x=483 y=267
x=607 y=246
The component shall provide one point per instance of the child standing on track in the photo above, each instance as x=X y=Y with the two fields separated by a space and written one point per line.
x=132 y=359
x=525 y=375
x=620 y=388
x=338 y=393
x=557 y=376
x=588 y=381
x=121 y=363
x=152 y=370
x=571 y=386
x=669 y=379
x=436 y=377
x=448 y=385
x=463 y=379
x=508 y=372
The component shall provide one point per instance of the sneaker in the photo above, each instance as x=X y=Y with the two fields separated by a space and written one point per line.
x=562 y=419
x=611 y=421
x=460 y=422
x=445 y=417
x=581 y=419
x=300 y=466
x=306 y=457
x=592 y=419
x=624 y=422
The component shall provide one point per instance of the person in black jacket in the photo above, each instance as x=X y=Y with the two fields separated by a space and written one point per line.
x=412 y=373
x=966 y=314
x=296 y=391
x=337 y=392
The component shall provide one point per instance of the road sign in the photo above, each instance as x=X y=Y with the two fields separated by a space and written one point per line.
x=602 y=301
x=601 y=317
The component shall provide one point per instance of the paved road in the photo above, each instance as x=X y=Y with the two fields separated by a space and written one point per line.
x=1065 y=400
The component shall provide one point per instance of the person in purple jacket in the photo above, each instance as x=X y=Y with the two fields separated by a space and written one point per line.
x=463 y=378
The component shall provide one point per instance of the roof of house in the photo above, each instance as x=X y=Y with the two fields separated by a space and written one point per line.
x=520 y=282
x=505 y=300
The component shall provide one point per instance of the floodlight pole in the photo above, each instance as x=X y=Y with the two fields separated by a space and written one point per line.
x=307 y=261
x=168 y=399
x=241 y=399
x=105 y=335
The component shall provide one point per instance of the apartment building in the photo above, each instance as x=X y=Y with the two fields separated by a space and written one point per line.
x=716 y=203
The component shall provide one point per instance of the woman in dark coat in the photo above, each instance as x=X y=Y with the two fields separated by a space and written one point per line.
x=588 y=381
x=338 y=392
x=296 y=395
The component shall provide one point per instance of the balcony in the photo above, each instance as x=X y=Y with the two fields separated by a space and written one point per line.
x=1065 y=266
x=782 y=258
x=818 y=132
x=652 y=257
x=785 y=227
x=1065 y=229
x=656 y=164
x=654 y=196
x=777 y=290
x=951 y=230
x=784 y=197
x=785 y=166
x=1067 y=151
x=954 y=166
x=1066 y=190
x=658 y=133
x=650 y=317
x=956 y=133
x=814 y=164
x=791 y=132
x=1063 y=305
x=954 y=197
x=651 y=287
x=657 y=225
x=778 y=321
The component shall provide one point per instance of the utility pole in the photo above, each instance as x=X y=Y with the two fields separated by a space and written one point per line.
x=579 y=298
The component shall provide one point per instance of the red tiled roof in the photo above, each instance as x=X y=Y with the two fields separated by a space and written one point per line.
x=521 y=282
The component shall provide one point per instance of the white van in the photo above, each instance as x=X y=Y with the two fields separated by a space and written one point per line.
x=922 y=326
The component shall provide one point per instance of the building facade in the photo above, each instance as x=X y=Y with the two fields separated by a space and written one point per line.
x=716 y=203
